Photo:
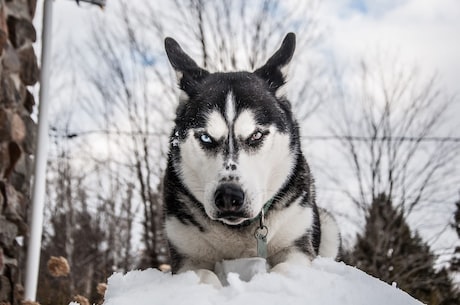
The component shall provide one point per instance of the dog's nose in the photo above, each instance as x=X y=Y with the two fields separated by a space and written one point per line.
x=229 y=197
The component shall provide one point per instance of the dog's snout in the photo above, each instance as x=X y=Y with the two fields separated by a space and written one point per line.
x=229 y=197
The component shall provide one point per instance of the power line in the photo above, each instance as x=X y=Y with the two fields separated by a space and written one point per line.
x=100 y=3
x=71 y=135
x=382 y=139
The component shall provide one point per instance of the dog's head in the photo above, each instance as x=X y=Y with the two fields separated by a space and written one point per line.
x=235 y=142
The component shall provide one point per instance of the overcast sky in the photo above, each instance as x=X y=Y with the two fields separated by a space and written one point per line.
x=422 y=32
x=425 y=32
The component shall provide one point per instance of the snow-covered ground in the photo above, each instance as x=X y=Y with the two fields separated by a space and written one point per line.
x=326 y=282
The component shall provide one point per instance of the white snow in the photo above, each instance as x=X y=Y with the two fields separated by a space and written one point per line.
x=325 y=282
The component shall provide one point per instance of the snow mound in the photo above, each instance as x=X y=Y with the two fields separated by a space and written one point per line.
x=325 y=282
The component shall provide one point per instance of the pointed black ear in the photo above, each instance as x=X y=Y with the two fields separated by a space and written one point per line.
x=272 y=72
x=189 y=74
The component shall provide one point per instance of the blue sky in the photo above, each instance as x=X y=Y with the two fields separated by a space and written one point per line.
x=359 y=5
x=376 y=8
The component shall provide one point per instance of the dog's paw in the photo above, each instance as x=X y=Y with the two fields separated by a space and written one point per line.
x=282 y=268
x=289 y=266
x=208 y=277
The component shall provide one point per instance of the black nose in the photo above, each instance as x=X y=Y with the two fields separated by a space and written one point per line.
x=229 y=198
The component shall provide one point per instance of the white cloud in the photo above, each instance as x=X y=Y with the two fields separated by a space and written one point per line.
x=425 y=32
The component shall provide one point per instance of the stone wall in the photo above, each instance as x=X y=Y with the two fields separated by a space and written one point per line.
x=18 y=70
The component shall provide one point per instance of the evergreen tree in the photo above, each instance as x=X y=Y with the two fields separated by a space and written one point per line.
x=455 y=263
x=388 y=250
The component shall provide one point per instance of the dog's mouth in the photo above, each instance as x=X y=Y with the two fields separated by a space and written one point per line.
x=232 y=218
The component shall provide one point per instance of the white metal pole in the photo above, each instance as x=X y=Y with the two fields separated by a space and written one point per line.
x=41 y=152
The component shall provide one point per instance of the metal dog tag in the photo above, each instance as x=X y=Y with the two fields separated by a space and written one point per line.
x=261 y=237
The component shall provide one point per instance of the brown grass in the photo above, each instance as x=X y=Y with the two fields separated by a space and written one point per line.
x=58 y=266
x=81 y=300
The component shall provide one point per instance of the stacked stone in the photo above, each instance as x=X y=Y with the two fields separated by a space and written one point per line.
x=18 y=70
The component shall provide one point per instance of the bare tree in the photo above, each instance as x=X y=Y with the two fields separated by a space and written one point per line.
x=132 y=117
x=133 y=92
x=391 y=124
x=232 y=35
x=393 y=132
x=392 y=127
x=89 y=217
x=110 y=131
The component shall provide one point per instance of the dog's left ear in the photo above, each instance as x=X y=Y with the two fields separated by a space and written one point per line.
x=271 y=72
x=189 y=74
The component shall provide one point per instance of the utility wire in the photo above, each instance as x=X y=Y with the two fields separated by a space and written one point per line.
x=70 y=135
x=382 y=139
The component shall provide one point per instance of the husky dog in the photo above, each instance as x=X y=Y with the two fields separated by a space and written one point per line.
x=235 y=168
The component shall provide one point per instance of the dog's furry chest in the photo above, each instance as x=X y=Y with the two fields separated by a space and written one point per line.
x=218 y=242
x=214 y=244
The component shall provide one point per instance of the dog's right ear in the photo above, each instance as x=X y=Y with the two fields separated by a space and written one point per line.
x=272 y=72
x=189 y=74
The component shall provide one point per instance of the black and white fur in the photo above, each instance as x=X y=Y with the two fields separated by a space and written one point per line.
x=235 y=147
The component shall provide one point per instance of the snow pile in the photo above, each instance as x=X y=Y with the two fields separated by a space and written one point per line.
x=326 y=282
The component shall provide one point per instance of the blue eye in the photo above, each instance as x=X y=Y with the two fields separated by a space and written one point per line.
x=206 y=138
